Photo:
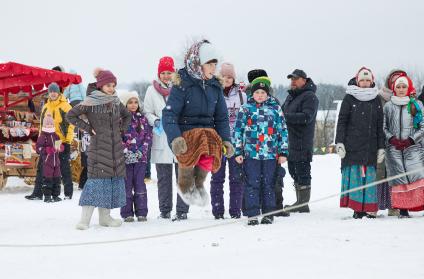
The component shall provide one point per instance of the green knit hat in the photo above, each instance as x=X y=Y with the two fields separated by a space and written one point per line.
x=263 y=83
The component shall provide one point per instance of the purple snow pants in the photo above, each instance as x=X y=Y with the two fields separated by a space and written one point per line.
x=236 y=188
x=136 y=191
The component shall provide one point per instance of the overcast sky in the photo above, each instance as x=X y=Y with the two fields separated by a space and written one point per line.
x=329 y=39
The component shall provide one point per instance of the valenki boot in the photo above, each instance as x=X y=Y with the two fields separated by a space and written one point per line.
x=87 y=212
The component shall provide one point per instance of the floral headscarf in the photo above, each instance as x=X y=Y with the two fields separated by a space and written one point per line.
x=192 y=60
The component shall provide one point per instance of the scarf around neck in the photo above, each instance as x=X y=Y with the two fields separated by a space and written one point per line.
x=400 y=101
x=362 y=94
x=102 y=102
x=159 y=86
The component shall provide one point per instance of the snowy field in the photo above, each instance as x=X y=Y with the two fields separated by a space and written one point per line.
x=323 y=244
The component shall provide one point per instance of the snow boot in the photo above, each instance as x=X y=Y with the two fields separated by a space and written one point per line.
x=253 y=221
x=303 y=196
x=48 y=199
x=165 y=215
x=219 y=216
x=393 y=212
x=403 y=213
x=358 y=215
x=129 y=219
x=371 y=215
x=87 y=212
x=267 y=220
x=106 y=220
x=56 y=199
x=141 y=218
x=235 y=216
x=180 y=216
x=33 y=198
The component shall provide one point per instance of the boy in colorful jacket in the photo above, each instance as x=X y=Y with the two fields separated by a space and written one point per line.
x=260 y=138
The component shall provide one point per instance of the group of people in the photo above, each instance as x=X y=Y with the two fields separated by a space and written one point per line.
x=196 y=120
x=379 y=135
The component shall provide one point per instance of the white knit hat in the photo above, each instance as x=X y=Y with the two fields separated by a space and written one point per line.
x=402 y=80
x=125 y=96
x=365 y=74
x=207 y=52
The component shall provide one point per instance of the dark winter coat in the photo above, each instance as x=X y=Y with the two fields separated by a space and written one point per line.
x=105 y=152
x=45 y=147
x=360 y=129
x=195 y=103
x=300 y=110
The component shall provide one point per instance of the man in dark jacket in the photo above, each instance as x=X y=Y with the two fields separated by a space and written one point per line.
x=300 y=111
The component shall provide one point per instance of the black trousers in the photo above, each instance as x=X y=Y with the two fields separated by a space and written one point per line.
x=51 y=186
x=300 y=172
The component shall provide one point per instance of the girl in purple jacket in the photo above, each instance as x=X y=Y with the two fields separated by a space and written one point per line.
x=137 y=141
x=48 y=147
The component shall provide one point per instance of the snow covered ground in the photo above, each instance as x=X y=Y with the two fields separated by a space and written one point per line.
x=323 y=244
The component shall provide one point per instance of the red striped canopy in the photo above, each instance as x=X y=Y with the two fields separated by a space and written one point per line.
x=15 y=77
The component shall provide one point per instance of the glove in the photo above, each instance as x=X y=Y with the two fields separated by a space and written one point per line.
x=407 y=143
x=380 y=156
x=158 y=129
x=157 y=123
x=228 y=149
x=179 y=146
x=340 y=149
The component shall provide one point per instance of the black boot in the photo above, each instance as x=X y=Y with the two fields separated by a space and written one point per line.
x=358 y=215
x=47 y=192
x=56 y=199
x=219 y=216
x=33 y=197
x=403 y=213
x=165 y=215
x=253 y=222
x=304 y=195
x=267 y=220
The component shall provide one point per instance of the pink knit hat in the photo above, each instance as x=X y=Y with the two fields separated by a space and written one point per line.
x=227 y=69
x=48 y=124
x=104 y=77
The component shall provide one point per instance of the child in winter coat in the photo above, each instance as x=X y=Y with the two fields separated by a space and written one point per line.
x=154 y=102
x=234 y=99
x=195 y=121
x=48 y=147
x=107 y=118
x=360 y=143
x=404 y=131
x=260 y=138
x=137 y=140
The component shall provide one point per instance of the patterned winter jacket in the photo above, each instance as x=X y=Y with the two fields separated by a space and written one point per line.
x=260 y=132
x=137 y=139
x=234 y=100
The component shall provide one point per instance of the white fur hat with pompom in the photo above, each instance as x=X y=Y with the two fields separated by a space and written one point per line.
x=125 y=96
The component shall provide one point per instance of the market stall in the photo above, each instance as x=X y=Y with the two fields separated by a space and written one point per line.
x=22 y=95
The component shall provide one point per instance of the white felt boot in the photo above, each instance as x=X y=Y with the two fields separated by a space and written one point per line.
x=106 y=220
x=87 y=212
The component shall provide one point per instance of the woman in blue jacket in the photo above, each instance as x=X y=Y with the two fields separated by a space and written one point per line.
x=196 y=102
